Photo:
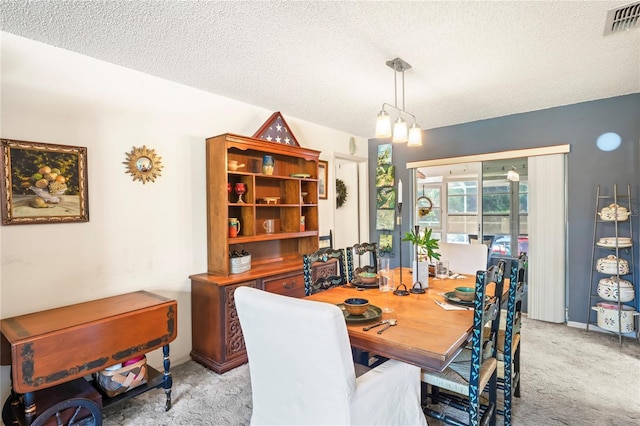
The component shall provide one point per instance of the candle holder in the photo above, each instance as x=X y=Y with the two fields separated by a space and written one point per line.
x=417 y=286
x=401 y=290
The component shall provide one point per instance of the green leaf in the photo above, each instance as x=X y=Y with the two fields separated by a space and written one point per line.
x=425 y=242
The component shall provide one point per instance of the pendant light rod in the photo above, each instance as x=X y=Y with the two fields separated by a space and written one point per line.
x=399 y=66
x=395 y=89
x=401 y=111
x=383 y=124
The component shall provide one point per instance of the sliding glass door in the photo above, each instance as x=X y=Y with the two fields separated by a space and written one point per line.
x=509 y=183
x=453 y=194
x=505 y=207
x=484 y=202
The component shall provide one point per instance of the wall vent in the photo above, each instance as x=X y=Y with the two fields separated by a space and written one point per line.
x=622 y=18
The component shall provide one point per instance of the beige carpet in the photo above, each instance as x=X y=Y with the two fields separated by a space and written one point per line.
x=569 y=377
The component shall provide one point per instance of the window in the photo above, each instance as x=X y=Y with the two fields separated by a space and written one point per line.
x=432 y=189
x=453 y=191
x=462 y=209
x=497 y=215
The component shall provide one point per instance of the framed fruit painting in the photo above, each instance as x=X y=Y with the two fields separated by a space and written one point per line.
x=43 y=183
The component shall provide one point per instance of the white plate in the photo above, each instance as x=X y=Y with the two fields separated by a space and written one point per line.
x=621 y=245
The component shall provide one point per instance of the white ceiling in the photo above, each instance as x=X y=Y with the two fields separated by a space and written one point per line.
x=325 y=61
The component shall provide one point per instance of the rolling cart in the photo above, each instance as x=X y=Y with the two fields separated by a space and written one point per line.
x=50 y=353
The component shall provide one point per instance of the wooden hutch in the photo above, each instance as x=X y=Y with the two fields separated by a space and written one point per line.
x=285 y=196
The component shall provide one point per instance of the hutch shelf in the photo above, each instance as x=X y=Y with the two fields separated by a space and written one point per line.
x=288 y=199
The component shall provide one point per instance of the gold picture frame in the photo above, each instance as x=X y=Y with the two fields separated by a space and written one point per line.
x=323 y=179
x=43 y=183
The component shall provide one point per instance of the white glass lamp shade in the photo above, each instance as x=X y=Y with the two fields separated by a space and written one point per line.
x=383 y=125
x=415 y=135
x=400 y=130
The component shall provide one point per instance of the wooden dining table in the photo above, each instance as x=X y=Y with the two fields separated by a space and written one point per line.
x=426 y=334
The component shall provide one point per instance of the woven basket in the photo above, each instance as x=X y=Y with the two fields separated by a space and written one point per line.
x=123 y=379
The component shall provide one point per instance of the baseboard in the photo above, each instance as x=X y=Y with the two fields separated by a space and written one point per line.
x=581 y=325
x=593 y=327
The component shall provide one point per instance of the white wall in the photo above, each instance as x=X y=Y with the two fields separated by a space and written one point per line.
x=139 y=237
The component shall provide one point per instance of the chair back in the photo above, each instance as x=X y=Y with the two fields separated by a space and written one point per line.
x=464 y=258
x=512 y=328
x=314 y=284
x=487 y=240
x=359 y=250
x=325 y=241
x=484 y=341
x=514 y=300
x=299 y=359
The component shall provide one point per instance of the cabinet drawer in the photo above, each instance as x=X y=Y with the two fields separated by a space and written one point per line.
x=290 y=285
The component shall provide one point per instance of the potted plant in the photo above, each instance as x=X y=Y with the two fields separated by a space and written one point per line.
x=426 y=244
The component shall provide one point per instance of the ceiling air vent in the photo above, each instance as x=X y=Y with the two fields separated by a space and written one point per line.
x=622 y=18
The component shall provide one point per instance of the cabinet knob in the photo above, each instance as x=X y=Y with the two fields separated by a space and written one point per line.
x=289 y=286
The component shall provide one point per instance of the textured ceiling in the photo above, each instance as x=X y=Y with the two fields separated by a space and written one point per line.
x=325 y=61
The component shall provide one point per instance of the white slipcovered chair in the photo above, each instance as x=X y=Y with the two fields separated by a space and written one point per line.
x=464 y=258
x=302 y=372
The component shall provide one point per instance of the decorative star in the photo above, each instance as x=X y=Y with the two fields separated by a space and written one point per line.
x=278 y=139
x=269 y=138
x=279 y=127
x=287 y=140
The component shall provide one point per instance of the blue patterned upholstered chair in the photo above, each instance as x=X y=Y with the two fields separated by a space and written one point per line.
x=324 y=255
x=360 y=250
x=474 y=370
x=509 y=347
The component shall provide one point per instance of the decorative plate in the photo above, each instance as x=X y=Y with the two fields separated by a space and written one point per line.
x=610 y=242
x=300 y=175
x=613 y=245
x=451 y=297
x=370 y=314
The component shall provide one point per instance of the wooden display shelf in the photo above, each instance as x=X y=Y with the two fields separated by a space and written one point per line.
x=276 y=258
x=272 y=237
x=287 y=214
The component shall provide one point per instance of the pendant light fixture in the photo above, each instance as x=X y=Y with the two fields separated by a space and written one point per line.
x=400 y=131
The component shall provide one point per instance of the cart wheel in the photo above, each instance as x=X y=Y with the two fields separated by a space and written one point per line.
x=70 y=413
x=8 y=412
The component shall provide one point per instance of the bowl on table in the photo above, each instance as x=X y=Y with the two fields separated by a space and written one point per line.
x=368 y=277
x=466 y=294
x=356 y=305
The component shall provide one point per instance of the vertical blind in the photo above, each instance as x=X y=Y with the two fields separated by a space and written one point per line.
x=547 y=238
